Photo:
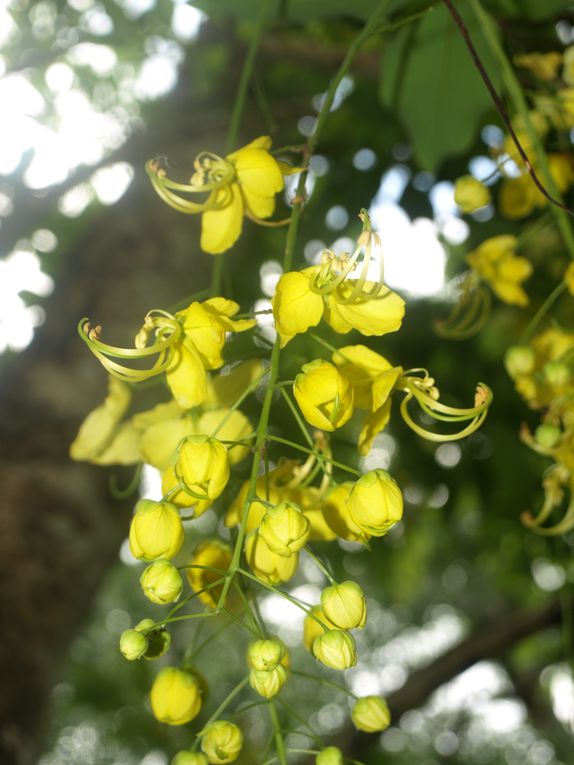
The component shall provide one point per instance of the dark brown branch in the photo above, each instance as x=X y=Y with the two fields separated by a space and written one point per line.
x=500 y=107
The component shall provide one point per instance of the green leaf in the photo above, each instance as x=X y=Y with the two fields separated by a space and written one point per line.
x=429 y=79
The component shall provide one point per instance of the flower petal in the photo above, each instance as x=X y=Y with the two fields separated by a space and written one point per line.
x=220 y=228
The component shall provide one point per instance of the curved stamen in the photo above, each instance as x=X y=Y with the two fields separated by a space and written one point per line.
x=554 y=492
x=468 y=315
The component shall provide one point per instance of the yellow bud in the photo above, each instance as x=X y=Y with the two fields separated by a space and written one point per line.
x=221 y=741
x=190 y=758
x=133 y=644
x=344 y=605
x=161 y=582
x=175 y=696
x=520 y=360
x=285 y=529
x=158 y=638
x=337 y=516
x=267 y=565
x=203 y=466
x=547 y=435
x=375 y=502
x=311 y=627
x=331 y=755
x=264 y=655
x=324 y=396
x=268 y=683
x=335 y=649
x=371 y=714
x=470 y=194
x=215 y=555
x=156 y=530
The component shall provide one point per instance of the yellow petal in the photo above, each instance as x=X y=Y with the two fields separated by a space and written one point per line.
x=220 y=228
x=228 y=386
x=206 y=334
x=123 y=449
x=235 y=427
x=374 y=424
x=361 y=366
x=295 y=306
x=370 y=317
x=384 y=384
x=260 y=178
x=159 y=442
x=224 y=310
x=97 y=430
x=186 y=376
x=263 y=142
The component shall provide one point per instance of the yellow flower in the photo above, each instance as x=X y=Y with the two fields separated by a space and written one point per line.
x=175 y=696
x=543 y=65
x=268 y=683
x=267 y=565
x=209 y=564
x=338 y=517
x=156 y=531
x=161 y=582
x=335 y=649
x=302 y=298
x=373 y=379
x=470 y=194
x=221 y=741
x=495 y=261
x=344 y=605
x=371 y=714
x=190 y=758
x=375 y=502
x=243 y=183
x=285 y=529
x=264 y=655
x=324 y=396
x=311 y=627
x=203 y=467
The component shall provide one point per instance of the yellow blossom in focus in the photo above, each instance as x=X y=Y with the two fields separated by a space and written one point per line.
x=496 y=262
x=203 y=468
x=156 y=531
x=175 y=696
x=285 y=529
x=268 y=683
x=311 y=627
x=371 y=714
x=344 y=605
x=267 y=565
x=221 y=741
x=264 y=655
x=470 y=194
x=375 y=502
x=208 y=564
x=161 y=582
x=324 y=396
x=335 y=649
x=338 y=517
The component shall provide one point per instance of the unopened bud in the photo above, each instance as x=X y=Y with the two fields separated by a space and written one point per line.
x=133 y=644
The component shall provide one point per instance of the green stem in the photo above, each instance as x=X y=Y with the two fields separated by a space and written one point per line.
x=521 y=106
x=294 y=445
x=320 y=565
x=279 y=742
x=303 y=722
x=325 y=681
x=216 y=275
x=225 y=703
x=541 y=312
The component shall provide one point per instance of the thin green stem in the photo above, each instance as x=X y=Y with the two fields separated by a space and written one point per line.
x=325 y=681
x=335 y=463
x=279 y=742
x=302 y=721
x=541 y=312
x=320 y=565
x=521 y=106
x=225 y=703
x=299 y=420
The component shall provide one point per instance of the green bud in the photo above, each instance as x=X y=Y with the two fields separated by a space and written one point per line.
x=221 y=741
x=344 y=605
x=161 y=582
x=133 y=644
x=159 y=639
x=371 y=714
x=557 y=373
x=520 y=360
x=335 y=649
x=331 y=755
x=264 y=655
x=190 y=758
x=547 y=435
x=268 y=683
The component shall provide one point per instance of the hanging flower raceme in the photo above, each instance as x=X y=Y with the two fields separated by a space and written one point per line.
x=243 y=183
x=328 y=290
x=184 y=345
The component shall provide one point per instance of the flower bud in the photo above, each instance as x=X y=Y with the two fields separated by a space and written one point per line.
x=215 y=555
x=133 y=644
x=371 y=714
x=337 y=516
x=557 y=373
x=203 y=466
x=375 y=502
x=344 y=605
x=335 y=649
x=520 y=360
x=158 y=638
x=221 y=741
x=161 y=582
x=268 y=683
x=264 y=655
x=285 y=529
x=470 y=194
x=324 y=396
x=331 y=755
x=267 y=565
x=175 y=696
x=156 y=530
x=311 y=627
x=190 y=758
x=547 y=435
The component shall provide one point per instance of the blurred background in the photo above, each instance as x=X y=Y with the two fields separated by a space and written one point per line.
x=470 y=614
